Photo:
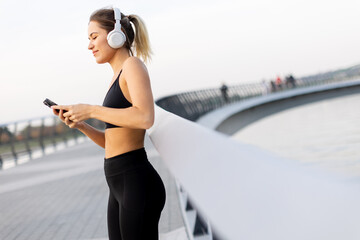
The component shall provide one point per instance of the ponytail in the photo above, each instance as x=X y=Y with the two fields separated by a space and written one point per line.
x=142 y=43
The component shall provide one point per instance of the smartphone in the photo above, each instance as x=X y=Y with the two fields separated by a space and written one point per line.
x=50 y=103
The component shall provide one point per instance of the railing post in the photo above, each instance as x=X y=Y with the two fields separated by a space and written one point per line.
x=28 y=131
x=12 y=143
x=1 y=160
x=41 y=135
x=54 y=134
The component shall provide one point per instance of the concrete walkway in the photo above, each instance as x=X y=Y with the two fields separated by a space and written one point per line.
x=64 y=196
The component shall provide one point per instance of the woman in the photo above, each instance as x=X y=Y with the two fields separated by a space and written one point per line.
x=137 y=193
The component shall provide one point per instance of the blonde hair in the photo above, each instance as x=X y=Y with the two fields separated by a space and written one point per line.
x=137 y=41
x=142 y=42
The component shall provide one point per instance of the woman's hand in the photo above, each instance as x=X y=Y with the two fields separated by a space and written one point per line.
x=75 y=113
x=68 y=122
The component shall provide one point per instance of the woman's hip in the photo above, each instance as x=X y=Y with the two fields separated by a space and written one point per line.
x=137 y=186
x=134 y=169
x=125 y=162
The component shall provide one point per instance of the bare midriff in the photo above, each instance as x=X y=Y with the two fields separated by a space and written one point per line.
x=122 y=140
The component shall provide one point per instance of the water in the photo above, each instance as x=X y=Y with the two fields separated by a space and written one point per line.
x=324 y=133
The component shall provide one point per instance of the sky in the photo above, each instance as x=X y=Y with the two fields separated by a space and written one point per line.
x=196 y=45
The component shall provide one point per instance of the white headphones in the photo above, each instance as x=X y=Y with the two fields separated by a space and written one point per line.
x=116 y=38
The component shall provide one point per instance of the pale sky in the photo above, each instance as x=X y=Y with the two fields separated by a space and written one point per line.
x=196 y=45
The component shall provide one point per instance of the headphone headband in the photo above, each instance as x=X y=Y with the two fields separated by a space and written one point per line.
x=117 y=16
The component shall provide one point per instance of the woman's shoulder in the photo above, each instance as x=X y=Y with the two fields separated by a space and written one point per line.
x=134 y=66
x=133 y=61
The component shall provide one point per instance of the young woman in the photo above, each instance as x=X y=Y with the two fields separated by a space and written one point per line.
x=137 y=193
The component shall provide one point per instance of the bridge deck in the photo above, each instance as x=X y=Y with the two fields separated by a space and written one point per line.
x=64 y=196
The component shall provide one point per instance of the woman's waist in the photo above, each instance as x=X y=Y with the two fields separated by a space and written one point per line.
x=118 y=142
x=112 y=149
x=125 y=162
x=119 y=135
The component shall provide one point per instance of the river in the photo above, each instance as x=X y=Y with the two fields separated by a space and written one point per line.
x=324 y=133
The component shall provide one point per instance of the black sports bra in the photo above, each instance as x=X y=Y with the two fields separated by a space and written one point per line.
x=115 y=99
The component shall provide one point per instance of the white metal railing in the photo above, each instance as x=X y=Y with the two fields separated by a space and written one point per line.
x=248 y=193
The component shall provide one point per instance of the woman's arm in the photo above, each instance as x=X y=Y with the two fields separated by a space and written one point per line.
x=131 y=117
x=94 y=134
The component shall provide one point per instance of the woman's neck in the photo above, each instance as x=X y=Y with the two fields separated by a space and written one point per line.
x=118 y=59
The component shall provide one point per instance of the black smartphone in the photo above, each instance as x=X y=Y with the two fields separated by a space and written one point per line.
x=50 y=103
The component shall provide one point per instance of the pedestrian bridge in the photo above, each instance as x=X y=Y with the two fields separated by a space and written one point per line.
x=217 y=188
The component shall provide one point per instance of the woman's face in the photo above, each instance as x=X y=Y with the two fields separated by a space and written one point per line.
x=98 y=43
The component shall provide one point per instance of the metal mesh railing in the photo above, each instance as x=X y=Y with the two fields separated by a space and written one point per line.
x=25 y=137
x=192 y=105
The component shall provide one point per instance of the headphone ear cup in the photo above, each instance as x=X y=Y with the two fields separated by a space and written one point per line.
x=116 y=39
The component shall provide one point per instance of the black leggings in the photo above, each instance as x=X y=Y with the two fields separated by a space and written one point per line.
x=137 y=196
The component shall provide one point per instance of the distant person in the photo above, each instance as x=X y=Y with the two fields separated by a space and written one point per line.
x=224 y=92
x=136 y=191
x=278 y=83
x=292 y=81
x=273 y=86
x=287 y=82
